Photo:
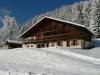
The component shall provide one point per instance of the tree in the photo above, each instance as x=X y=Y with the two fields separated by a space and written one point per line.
x=10 y=29
x=95 y=17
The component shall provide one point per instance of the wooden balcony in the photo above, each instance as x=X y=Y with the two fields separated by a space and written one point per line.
x=28 y=40
x=64 y=36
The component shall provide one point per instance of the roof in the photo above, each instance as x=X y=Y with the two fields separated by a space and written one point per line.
x=46 y=17
x=14 y=41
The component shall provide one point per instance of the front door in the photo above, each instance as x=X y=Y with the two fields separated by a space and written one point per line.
x=68 y=43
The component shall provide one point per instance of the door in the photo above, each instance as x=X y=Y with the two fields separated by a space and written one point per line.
x=68 y=43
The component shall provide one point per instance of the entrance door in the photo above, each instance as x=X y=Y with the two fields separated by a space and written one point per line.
x=68 y=43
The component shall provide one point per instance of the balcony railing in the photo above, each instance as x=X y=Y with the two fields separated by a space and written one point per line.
x=50 y=38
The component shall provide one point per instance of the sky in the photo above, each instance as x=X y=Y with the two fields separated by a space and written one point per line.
x=24 y=10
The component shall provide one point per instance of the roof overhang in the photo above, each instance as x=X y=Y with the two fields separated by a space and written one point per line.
x=13 y=41
x=51 y=18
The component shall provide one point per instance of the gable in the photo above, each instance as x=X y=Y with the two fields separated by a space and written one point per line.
x=47 y=24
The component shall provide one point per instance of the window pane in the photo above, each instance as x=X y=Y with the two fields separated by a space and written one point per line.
x=59 y=43
x=75 y=42
x=52 y=44
x=68 y=43
x=47 y=44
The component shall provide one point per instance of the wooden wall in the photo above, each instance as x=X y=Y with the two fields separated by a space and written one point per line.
x=50 y=30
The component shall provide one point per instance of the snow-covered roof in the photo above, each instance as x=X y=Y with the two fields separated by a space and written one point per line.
x=14 y=41
x=56 y=20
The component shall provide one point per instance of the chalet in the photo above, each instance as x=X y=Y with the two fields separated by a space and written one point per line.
x=52 y=32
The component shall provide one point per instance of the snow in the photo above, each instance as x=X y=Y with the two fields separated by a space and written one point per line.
x=47 y=61
x=14 y=41
x=50 y=61
x=94 y=52
x=76 y=55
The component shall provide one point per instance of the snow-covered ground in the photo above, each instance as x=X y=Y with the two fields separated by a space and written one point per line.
x=50 y=61
x=45 y=61
x=94 y=52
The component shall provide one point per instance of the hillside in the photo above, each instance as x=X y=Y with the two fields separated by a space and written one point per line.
x=46 y=61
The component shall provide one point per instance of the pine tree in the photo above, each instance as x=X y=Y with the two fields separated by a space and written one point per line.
x=95 y=17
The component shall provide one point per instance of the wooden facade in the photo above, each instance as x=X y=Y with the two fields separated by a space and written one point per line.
x=51 y=32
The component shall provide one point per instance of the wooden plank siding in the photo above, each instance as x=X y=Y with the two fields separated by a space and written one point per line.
x=54 y=31
x=50 y=30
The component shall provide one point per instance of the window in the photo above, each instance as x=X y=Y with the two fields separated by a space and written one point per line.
x=43 y=45
x=29 y=40
x=27 y=45
x=74 y=42
x=38 y=45
x=31 y=45
x=52 y=44
x=59 y=43
x=68 y=43
x=47 y=44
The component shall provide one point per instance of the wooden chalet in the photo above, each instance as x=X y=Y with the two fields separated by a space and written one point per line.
x=52 y=32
